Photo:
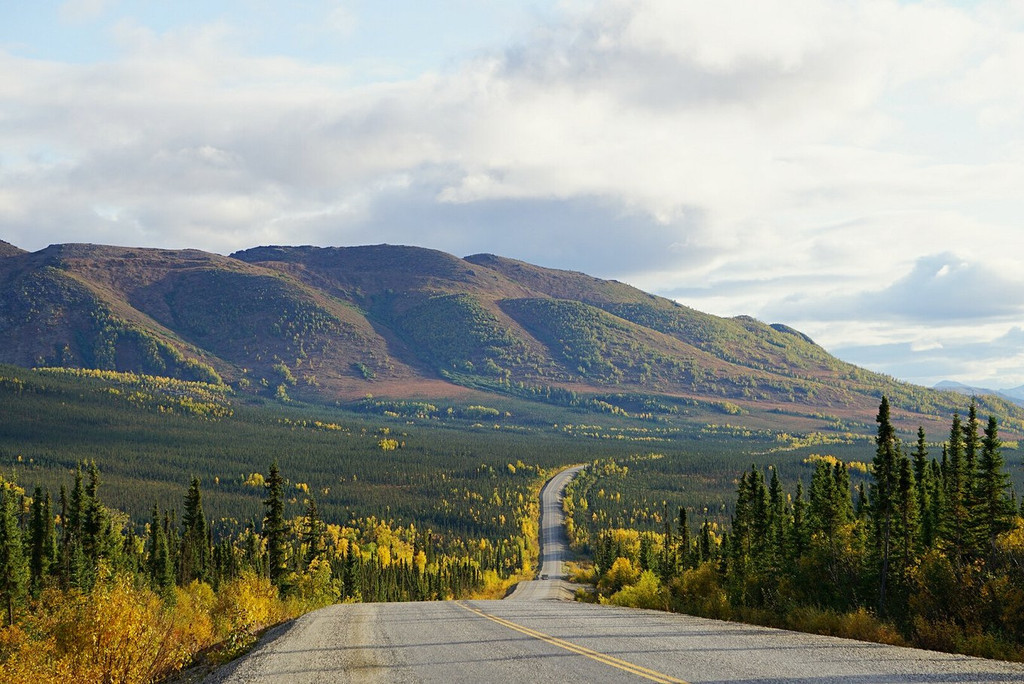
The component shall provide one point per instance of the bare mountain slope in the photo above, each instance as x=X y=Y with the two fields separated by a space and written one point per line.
x=338 y=323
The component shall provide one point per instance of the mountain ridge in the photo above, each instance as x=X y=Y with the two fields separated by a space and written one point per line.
x=338 y=323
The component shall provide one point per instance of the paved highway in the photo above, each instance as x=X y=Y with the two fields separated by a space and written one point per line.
x=551 y=583
x=530 y=637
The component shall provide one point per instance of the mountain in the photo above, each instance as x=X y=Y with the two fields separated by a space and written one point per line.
x=338 y=323
x=7 y=249
x=1015 y=395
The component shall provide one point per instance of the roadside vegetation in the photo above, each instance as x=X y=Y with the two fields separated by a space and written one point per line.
x=921 y=544
x=86 y=599
x=151 y=524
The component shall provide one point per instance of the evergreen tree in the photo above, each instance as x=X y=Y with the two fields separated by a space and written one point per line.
x=94 y=522
x=970 y=429
x=779 y=521
x=41 y=540
x=14 y=571
x=705 y=545
x=994 y=510
x=922 y=477
x=313 y=532
x=161 y=571
x=684 y=539
x=801 y=534
x=884 y=497
x=936 y=502
x=909 y=526
x=75 y=567
x=955 y=518
x=861 y=507
x=667 y=564
x=194 y=549
x=274 y=531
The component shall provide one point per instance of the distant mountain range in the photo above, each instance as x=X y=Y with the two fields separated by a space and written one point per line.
x=1016 y=394
x=335 y=324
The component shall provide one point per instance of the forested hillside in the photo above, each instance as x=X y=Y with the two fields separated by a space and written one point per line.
x=335 y=324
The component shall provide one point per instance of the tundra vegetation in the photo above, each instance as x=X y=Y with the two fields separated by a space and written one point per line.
x=920 y=544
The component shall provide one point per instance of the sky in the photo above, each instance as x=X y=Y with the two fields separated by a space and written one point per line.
x=851 y=168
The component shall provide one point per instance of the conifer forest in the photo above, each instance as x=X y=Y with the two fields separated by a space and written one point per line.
x=922 y=544
x=137 y=539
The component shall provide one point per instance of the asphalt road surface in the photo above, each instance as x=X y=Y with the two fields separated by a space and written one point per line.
x=533 y=637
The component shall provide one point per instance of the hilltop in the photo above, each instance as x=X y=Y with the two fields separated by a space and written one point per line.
x=335 y=324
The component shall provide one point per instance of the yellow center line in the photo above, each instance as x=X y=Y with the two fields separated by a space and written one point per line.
x=638 y=670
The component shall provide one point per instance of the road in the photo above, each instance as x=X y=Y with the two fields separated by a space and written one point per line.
x=551 y=583
x=530 y=637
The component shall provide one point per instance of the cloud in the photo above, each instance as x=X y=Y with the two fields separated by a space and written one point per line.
x=939 y=288
x=816 y=163
x=670 y=109
x=994 y=362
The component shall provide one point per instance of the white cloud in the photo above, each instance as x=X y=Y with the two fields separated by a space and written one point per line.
x=797 y=160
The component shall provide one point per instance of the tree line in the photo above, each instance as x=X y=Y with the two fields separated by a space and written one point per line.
x=928 y=551
x=71 y=543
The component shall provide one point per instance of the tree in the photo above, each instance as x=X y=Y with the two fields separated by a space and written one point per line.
x=274 y=531
x=14 y=572
x=923 y=486
x=73 y=571
x=801 y=534
x=778 y=526
x=42 y=541
x=957 y=485
x=884 y=496
x=94 y=522
x=194 y=554
x=970 y=430
x=994 y=510
x=684 y=538
x=313 y=532
x=161 y=571
x=909 y=526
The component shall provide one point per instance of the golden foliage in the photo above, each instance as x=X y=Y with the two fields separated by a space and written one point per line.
x=646 y=593
x=243 y=607
x=622 y=573
x=699 y=591
x=117 y=633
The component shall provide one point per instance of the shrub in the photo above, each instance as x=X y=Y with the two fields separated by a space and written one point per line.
x=646 y=593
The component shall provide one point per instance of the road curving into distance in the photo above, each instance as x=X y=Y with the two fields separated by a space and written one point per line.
x=534 y=635
x=551 y=581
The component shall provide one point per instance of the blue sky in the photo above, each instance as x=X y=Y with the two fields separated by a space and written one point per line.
x=851 y=168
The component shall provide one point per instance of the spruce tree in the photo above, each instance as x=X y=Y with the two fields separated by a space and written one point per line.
x=908 y=515
x=970 y=429
x=161 y=571
x=994 y=510
x=14 y=571
x=955 y=517
x=684 y=539
x=937 y=501
x=884 y=498
x=194 y=551
x=778 y=526
x=274 y=530
x=75 y=566
x=94 y=522
x=41 y=540
x=313 y=533
x=922 y=481
x=801 y=534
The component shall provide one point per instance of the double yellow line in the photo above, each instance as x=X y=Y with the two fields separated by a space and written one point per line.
x=626 y=666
